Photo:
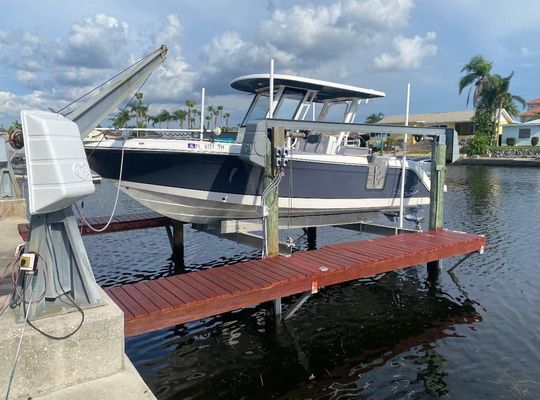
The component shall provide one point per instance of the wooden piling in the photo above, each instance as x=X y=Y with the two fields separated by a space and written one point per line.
x=177 y=240
x=311 y=238
x=277 y=139
x=436 y=196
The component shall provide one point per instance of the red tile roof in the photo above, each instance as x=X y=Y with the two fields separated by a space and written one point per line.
x=531 y=112
x=534 y=101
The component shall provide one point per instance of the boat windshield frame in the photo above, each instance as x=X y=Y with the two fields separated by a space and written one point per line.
x=281 y=94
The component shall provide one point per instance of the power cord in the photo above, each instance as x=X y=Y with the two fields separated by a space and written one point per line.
x=14 y=367
x=64 y=293
x=115 y=200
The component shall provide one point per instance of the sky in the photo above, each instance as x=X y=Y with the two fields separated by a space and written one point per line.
x=52 y=51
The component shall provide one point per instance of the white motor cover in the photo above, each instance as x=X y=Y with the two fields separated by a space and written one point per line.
x=58 y=171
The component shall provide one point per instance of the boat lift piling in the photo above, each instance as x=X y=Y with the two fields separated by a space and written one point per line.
x=436 y=194
x=175 y=233
x=271 y=172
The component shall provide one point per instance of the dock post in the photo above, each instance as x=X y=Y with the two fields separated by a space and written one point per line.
x=277 y=309
x=436 y=196
x=277 y=139
x=176 y=239
x=311 y=238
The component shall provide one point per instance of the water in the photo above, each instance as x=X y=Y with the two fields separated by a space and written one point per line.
x=394 y=336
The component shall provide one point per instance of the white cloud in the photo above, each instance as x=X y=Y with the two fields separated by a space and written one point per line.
x=379 y=14
x=171 y=34
x=97 y=42
x=410 y=52
x=26 y=77
x=3 y=37
x=308 y=30
x=304 y=38
x=11 y=105
x=173 y=80
x=315 y=33
x=528 y=53
x=31 y=38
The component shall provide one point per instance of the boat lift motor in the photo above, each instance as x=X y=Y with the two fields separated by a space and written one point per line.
x=58 y=175
x=55 y=273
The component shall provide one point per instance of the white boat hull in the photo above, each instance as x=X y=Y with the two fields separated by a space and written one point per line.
x=202 y=207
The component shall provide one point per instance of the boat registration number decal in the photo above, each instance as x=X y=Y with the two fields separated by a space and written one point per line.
x=206 y=146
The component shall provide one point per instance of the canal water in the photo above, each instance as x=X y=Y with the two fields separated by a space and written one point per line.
x=471 y=335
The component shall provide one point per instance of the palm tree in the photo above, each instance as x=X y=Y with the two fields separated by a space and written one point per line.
x=180 y=116
x=496 y=97
x=196 y=118
x=477 y=72
x=154 y=119
x=211 y=111
x=220 y=111
x=227 y=116
x=121 y=119
x=164 y=116
x=139 y=111
x=216 y=114
x=189 y=104
x=374 y=118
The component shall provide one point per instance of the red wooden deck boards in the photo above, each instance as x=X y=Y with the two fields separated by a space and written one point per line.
x=183 y=298
x=119 y=223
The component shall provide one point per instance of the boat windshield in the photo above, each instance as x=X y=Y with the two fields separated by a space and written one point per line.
x=335 y=112
x=289 y=103
x=257 y=110
x=287 y=107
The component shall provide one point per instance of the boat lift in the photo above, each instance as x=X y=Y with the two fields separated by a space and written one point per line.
x=261 y=135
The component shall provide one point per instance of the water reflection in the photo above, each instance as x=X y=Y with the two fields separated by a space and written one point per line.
x=335 y=344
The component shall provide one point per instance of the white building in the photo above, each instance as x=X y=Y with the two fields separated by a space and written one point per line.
x=523 y=133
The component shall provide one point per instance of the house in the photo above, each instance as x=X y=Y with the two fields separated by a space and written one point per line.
x=523 y=132
x=533 y=111
x=460 y=121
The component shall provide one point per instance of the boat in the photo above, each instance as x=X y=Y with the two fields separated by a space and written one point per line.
x=204 y=180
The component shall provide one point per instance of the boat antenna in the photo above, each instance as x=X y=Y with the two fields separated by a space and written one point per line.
x=271 y=89
x=404 y=159
x=202 y=114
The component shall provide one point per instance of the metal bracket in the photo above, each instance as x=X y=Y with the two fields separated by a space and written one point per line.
x=239 y=236
x=298 y=304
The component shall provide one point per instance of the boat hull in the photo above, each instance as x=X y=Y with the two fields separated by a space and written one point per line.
x=208 y=188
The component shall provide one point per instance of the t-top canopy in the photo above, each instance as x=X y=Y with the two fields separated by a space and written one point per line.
x=326 y=91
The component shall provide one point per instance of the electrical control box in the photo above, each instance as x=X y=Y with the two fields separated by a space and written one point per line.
x=58 y=171
x=27 y=262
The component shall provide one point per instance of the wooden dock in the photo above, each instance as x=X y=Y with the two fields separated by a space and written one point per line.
x=164 y=302
x=119 y=223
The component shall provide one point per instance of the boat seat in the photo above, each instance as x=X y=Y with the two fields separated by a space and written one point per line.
x=313 y=144
x=354 y=151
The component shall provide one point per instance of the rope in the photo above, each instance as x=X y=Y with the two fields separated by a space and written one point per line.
x=272 y=186
x=115 y=200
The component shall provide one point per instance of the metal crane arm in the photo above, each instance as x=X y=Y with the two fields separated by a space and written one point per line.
x=90 y=114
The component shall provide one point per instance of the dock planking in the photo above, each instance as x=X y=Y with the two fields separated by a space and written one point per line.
x=178 y=299
x=119 y=223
